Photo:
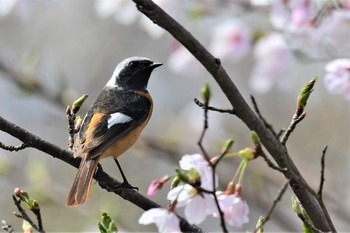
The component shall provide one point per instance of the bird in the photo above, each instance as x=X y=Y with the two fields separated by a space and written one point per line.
x=113 y=123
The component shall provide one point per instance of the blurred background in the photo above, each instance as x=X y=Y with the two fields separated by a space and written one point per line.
x=52 y=52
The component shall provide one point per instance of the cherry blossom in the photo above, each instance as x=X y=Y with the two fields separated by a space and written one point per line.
x=231 y=40
x=198 y=162
x=165 y=220
x=273 y=63
x=234 y=208
x=197 y=205
x=337 y=79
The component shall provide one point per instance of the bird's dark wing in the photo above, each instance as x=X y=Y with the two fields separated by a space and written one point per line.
x=101 y=129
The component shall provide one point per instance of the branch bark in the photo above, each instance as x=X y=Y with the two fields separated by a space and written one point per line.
x=104 y=180
x=242 y=109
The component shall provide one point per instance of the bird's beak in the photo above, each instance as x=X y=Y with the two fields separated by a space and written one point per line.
x=155 y=65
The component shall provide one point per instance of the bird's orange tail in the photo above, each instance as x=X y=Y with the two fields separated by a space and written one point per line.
x=81 y=186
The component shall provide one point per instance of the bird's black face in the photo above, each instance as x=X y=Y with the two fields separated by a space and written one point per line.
x=134 y=73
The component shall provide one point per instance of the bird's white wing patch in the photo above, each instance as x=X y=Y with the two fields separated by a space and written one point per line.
x=117 y=118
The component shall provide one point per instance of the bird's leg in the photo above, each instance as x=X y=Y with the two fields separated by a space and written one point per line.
x=125 y=183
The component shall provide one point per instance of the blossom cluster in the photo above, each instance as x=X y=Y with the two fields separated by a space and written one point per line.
x=306 y=29
x=194 y=193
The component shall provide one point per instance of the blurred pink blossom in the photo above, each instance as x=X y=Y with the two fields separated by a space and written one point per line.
x=165 y=220
x=6 y=6
x=173 y=8
x=126 y=13
x=231 y=40
x=333 y=34
x=273 y=61
x=291 y=15
x=234 y=208
x=182 y=61
x=337 y=78
x=123 y=11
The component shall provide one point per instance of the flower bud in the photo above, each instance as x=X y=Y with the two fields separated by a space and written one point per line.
x=305 y=93
x=183 y=177
x=255 y=138
x=205 y=92
x=26 y=227
x=78 y=103
x=227 y=146
x=258 y=224
x=107 y=225
x=157 y=185
x=176 y=181
x=296 y=206
x=247 y=154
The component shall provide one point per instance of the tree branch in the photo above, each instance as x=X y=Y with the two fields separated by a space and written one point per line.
x=242 y=109
x=104 y=180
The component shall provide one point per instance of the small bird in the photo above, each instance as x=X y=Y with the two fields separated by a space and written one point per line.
x=113 y=123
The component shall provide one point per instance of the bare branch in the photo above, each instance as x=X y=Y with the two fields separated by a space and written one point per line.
x=104 y=180
x=256 y=108
x=200 y=104
x=13 y=148
x=320 y=189
x=296 y=119
x=242 y=109
x=23 y=214
x=273 y=205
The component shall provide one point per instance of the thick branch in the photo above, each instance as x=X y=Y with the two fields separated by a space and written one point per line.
x=242 y=110
x=105 y=181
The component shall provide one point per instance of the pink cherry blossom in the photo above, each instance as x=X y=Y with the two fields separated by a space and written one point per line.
x=337 y=79
x=165 y=220
x=197 y=205
x=273 y=61
x=234 y=208
x=231 y=40
x=198 y=162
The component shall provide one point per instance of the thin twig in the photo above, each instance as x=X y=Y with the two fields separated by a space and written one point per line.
x=243 y=111
x=13 y=148
x=23 y=214
x=256 y=109
x=296 y=119
x=104 y=180
x=273 y=205
x=200 y=104
x=270 y=163
x=320 y=189
x=39 y=219
x=200 y=144
x=205 y=127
